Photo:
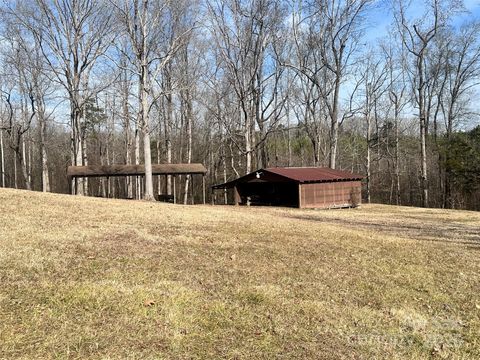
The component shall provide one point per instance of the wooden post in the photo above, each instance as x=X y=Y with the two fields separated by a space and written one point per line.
x=236 y=196
x=300 y=196
x=191 y=186
x=174 y=189
x=203 y=185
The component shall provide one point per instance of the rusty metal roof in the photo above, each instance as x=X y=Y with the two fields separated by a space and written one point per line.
x=313 y=174
x=134 y=170
x=296 y=174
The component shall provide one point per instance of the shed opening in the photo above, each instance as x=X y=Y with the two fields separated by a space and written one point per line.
x=302 y=187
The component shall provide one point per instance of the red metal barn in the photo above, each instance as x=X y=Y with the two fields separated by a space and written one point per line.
x=302 y=187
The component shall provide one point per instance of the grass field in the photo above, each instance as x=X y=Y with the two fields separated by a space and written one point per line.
x=96 y=278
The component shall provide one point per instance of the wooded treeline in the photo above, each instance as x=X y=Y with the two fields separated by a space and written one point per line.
x=238 y=85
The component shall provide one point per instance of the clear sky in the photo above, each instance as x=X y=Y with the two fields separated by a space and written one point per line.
x=381 y=17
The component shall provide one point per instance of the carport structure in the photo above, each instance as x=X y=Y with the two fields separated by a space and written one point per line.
x=302 y=187
x=107 y=171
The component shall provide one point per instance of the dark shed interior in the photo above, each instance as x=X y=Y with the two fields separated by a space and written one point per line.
x=269 y=193
x=295 y=187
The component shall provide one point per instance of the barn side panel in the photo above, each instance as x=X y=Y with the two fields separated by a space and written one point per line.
x=330 y=194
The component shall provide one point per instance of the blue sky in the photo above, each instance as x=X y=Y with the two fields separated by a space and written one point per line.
x=381 y=17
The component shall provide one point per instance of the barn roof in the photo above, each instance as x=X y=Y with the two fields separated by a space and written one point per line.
x=295 y=174
x=135 y=170
x=314 y=174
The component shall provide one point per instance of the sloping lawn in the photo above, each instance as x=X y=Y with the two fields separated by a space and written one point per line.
x=96 y=278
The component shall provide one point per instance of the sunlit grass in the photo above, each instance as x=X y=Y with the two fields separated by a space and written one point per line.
x=96 y=278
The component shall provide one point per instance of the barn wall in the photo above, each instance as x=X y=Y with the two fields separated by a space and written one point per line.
x=330 y=195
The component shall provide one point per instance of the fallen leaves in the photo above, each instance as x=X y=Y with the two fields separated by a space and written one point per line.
x=149 y=303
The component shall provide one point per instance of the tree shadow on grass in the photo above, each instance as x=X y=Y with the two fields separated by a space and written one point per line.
x=437 y=232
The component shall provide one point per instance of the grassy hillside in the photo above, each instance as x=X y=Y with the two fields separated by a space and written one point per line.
x=96 y=278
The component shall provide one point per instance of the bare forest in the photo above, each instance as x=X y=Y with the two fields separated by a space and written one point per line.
x=239 y=85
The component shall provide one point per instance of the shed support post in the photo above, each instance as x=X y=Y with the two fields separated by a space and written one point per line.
x=191 y=189
x=203 y=188
x=300 y=196
x=236 y=195
x=174 y=189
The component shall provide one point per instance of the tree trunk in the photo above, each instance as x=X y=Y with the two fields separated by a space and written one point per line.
x=128 y=141
x=263 y=163
x=103 y=180
x=15 y=177
x=148 y=195
x=188 y=125
x=148 y=166
x=424 y=179
x=248 y=144
x=83 y=141
x=168 y=126
x=289 y=139
x=447 y=198
x=138 y=190
x=43 y=150
x=397 y=157
x=423 y=146
x=138 y=179
x=76 y=147
x=21 y=156
x=2 y=159
x=334 y=124
x=159 y=160
x=30 y=161
x=224 y=164
x=369 y=161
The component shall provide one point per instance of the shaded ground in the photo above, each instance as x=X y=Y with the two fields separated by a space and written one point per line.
x=406 y=222
x=94 y=278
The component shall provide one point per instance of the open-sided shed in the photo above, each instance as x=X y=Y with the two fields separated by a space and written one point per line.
x=303 y=187
x=107 y=171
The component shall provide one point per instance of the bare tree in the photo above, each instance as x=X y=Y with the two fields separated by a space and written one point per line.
x=143 y=24
x=23 y=89
x=462 y=74
x=242 y=32
x=16 y=130
x=325 y=36
x=41 y=87
x=373 y=75
x=416 y=38
x=2 y=156
x=125 y=87
x=397 y=96
x=72 y=36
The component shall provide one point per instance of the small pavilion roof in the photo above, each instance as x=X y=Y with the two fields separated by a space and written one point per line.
x=135 y=170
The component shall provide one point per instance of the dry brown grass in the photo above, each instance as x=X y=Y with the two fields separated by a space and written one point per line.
x=94 y=278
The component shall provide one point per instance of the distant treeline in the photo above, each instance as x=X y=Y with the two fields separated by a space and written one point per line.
x=239 y=85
